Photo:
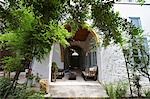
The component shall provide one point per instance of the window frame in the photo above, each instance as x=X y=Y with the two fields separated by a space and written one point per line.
x=139 y=21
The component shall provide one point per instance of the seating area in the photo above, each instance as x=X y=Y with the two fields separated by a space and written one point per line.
x=60 y=73
x=72 y=76
x=90 y=73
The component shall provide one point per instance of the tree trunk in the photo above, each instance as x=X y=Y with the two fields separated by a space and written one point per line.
x=128 y=76
x=4 y=73
x=8 y=74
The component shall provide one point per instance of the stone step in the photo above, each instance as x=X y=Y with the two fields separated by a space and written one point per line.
x=77 y=91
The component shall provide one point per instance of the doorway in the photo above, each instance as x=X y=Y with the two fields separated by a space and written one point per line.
x=73 y=57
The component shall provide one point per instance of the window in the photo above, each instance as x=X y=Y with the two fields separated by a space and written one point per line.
x=94 y=58
x=146 y=45
x=130 y=0
x=89 y=59
x=135 y=21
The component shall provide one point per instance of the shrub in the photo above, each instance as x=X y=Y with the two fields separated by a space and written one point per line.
x=22 y=93
x=110 y=91
x=37 y=96
x=4 y=85
x=54 y=71
x=121 y=90
x=116 y=91
x=147 y=93
x=18 y=93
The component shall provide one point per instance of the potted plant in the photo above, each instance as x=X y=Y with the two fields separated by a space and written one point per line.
x=37 y=78
x=30 y=79
x=54 y=71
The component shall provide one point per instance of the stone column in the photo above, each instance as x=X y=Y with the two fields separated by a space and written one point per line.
x=50 y=63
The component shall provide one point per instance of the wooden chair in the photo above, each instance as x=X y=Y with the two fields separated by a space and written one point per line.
x=90 y=72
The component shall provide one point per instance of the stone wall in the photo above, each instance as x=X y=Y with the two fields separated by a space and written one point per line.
x=57 y=56
x=112 y=65
x=41 y=67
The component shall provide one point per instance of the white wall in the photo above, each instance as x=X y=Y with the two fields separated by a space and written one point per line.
x=112 y=64
x=132 y=10
x=111 y=61
x=57 y=56
x=41 y=67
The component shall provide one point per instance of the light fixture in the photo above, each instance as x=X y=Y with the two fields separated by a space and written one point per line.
x=75 y=53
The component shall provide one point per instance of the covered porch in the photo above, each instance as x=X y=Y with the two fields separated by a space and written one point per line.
x=80 y=56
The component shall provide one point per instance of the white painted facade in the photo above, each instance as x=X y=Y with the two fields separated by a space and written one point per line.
x=110 y=61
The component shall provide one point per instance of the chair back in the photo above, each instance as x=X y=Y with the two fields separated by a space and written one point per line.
x=93 y=71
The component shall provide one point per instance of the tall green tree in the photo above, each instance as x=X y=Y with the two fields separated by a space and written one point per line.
x=29 y=35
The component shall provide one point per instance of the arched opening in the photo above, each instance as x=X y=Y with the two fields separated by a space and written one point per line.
x=73 y=57
x=79 y=58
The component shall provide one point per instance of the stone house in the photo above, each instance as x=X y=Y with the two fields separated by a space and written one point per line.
x=110 y=60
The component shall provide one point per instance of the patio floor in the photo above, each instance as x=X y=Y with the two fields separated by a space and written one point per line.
x=79 y=88
x=76 y=89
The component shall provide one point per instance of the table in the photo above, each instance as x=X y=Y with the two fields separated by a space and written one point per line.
x=72 y=76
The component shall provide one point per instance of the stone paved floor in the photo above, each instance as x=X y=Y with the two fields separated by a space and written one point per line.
x=90 y=90
x=64 y=88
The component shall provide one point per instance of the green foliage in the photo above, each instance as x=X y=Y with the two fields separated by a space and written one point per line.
x=78 y=10
x=32 y=38
x=147 y=93
x=121 y=90
x=31 y=76
x=116 y=91
x=54 y=70
x=33 y=26
x=12 y=63
x=141 y=1
x=18 y=93
x=110 y=91
x=4 y=85
x=57 y=33
x=37 y=77
x=46 y=10
x=54 y=67
x=25 y=93
x=107 y=21
x=136 y=83
x=37 y=96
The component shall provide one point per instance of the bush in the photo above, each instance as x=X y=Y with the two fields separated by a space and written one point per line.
x=121 y=90
x=110 y=91
x=37 y=96
x=147 y=93
x=18 y=93
x=4 y=85
x=116 y=91
x=22 y=93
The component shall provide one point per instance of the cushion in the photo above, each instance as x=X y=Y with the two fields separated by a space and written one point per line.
x=94 y=68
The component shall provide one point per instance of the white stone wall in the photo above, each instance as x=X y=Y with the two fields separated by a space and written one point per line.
x=112 y=65
x=57 y=56
x=41 y=67
x=134 y=10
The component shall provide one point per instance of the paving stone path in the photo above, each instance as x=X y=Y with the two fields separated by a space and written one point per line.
x=77 y=91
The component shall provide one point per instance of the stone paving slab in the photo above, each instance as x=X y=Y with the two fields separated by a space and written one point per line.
x=76 y=91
